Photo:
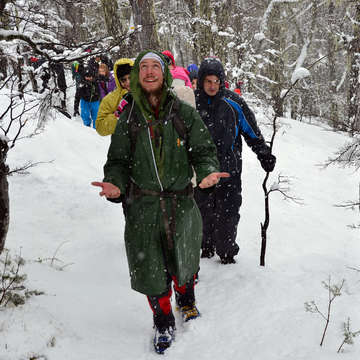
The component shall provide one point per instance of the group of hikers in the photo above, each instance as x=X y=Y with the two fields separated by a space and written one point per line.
x=95 y=80
x=175 y=165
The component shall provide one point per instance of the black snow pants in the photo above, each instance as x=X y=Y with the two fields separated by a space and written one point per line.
x=219 y=207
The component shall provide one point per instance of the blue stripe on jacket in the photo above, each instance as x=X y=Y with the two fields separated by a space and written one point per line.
x=242 y=122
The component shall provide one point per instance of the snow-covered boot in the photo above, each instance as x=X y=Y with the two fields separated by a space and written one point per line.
x=185 y=300
x=227 y=260
x=163 y=339
x=164 y=321
x=189 y=312
x=207 y=253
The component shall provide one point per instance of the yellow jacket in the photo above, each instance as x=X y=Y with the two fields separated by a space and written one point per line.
x=106 y=120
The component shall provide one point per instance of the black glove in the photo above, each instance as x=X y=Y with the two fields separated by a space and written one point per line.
x=102 y=78
x=268 y=162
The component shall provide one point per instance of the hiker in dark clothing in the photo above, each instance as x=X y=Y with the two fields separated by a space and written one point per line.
x=89 y=98
x=228 y=119
x=58 y=68
x=77 y=71
x=93 y=65
x=95 y=61
x=48 y=70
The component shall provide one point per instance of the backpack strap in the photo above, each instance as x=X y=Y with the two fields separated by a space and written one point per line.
x=178 y=121
x=134 y=128
x=135 y=125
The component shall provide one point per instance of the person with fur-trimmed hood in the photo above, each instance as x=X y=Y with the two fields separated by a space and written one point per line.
x=151 y=162
x=112 y=104
x=228 y=119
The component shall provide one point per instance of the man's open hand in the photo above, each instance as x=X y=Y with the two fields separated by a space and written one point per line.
x=212 y=179
x=109 y=190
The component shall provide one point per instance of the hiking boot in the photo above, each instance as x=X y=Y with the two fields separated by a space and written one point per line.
x=207 y=254
x=163 y=339
x=227 y=260
x=189 y=312
x=76 y=112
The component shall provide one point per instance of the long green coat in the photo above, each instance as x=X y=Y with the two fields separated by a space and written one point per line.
x=150 y=260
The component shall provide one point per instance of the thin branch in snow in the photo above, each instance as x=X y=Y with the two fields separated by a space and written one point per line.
x=23 y=170
x=283 y=186
x=333 y=292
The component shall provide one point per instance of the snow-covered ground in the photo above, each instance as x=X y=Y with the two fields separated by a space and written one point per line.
x=248 y=312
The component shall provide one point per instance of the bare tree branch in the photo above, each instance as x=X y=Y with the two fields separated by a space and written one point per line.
x=347 y=156
x=22 y=170
x=264 y=226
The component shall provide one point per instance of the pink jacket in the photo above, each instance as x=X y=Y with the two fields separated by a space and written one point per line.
x=180 y=73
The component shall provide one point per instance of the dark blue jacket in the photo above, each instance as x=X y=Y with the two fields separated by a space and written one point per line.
x=228 y=119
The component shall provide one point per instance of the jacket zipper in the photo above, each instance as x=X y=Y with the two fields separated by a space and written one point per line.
x=154 y=161
x=152 y=152
x=232 y=147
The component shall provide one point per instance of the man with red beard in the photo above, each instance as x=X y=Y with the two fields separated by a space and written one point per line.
x=149 y=167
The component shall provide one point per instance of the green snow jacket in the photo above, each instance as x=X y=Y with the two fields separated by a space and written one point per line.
x=150 y=259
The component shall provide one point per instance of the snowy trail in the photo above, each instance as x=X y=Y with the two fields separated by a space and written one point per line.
x=248 y=312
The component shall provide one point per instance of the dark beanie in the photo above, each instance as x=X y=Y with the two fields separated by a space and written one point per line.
x=193 y=75
x=123 y=70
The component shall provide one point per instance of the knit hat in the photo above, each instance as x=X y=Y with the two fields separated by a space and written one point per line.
x=193 y=75
x=123 y=70
x=151 y=55
x=192 y=67
x=211 y=66
x=170 y=56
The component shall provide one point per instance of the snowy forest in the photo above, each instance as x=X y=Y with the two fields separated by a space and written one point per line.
x=299 y=65
x=260 y=43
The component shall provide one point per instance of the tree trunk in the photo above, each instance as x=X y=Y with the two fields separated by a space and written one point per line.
x=354 y=73
x=222 y=12
x=33 y=81
x=276 y=70
x=192 y=5
x=3 y=65
x=2 y=6
x=4 y=195
x=17 y=66
x=331 y=43
x=75 y=15
x=111 y=16
x=205 y=38
x=144 y=16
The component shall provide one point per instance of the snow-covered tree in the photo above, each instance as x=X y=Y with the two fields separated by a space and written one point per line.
x=145 y=21
x=354 y=69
